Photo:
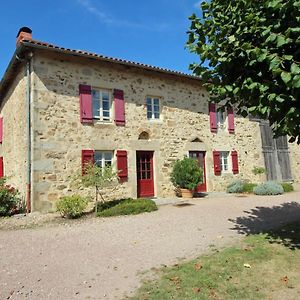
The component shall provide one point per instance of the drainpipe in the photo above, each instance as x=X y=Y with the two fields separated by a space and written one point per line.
x=28 y=127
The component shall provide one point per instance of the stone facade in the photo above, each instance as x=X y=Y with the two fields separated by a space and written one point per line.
x=58 y=137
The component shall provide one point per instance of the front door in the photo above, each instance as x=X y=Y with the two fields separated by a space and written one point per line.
x=200 y=156
x=145 y=178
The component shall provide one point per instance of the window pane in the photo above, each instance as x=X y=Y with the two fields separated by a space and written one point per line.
x=105 y=95
x=156 y=108
x=98 y=158
x=149 y=115
x=106 y=114
x=105 y=105
x=156 y=115
x=148 y=101
x=96 y=107
x=108 y=156
x=156 y=101
x=95 y=94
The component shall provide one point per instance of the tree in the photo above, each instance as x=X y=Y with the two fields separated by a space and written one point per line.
x=250 y=58
x=98 y=178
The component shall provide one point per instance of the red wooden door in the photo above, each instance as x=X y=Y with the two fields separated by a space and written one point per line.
x=144 y=168
x=200 y=156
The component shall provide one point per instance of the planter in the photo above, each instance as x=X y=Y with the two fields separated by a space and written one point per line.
x=185 y=193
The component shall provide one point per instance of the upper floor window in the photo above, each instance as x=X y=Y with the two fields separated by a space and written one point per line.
x=102 y=105
x=103 y=158
x=224 y=162
x=153 y=108
x=221 y=118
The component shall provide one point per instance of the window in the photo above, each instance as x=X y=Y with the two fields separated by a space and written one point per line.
x=102 y=105
x=224 y=162
x=221 y=118
x=153 y=108
x=103 y=158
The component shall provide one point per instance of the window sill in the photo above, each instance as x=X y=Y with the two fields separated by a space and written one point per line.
x=98 y=122
x=156 y=121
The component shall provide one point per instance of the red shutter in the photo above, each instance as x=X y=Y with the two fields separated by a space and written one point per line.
x=1 y=167
x=230 y=119
x=213 y=117
x=217 y=165
x=1 y=130
x=235 y=162
x=122 y=165
x=87 y=157
x=119 y=107
x=86 y=107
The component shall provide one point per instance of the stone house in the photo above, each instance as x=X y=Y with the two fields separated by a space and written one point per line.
x=61 y=108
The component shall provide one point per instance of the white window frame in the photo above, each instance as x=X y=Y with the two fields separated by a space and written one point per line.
x=152 y=111
x=100 y=117
x=103 y=160
x=225 y=155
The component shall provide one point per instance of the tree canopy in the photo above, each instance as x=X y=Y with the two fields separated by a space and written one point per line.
x=250 y=58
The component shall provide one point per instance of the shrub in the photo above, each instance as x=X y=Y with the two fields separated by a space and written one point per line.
x=71 y=206
x=9 y=199
x=186 y=173
x=268 y=188
x=248 y=187
x=287 y=187
x=125 y=207
x=258 y=170
x=235 y=186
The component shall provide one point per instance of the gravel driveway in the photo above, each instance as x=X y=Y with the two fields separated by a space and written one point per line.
x=106 y=258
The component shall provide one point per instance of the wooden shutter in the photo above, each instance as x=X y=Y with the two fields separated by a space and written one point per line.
x=119 y=107
x=122 y=165
x=1 y=130
x=86 y=106
x=235 y=162
x=217 y=164
x=213 y=117
x=1 y=167
x=87 y=157
x=230 y=115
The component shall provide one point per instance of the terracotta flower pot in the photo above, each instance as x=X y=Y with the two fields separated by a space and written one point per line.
x=185 y=193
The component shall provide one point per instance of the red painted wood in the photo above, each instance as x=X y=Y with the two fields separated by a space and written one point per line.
x=87 y=157
x=86 y=105
x=217 y=164
x=122 y=165
x=213 y=117
x=1 y=130
x=145 y=176
x=200 y=156
x=119 y=107
x=235 y=162
x=1 y=167
x=230 y=115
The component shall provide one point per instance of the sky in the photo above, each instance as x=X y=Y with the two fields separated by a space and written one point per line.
x=150 y=31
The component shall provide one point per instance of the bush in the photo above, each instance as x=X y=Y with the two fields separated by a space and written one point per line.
x=71 y=206
x=186 y=173
x=258 y=170
x=268 y=188
x=125 y=207
x=287 y=187
x=9 y=199
x=248 y=187
x=236 y=186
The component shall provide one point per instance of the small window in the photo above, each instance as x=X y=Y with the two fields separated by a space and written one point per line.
x=103 y=158
x=102 y=105
x=224 y=161
x=153 y=108
x=221 y=117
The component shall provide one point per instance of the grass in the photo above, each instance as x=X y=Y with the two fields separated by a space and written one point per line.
x=248 y=187
x=263 y=266
x=125 y=207
x=287 y=187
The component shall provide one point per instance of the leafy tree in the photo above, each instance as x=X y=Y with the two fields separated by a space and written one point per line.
x=98 y=178
x=250 y=58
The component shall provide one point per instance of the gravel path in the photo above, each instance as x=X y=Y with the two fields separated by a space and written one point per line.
x=105 y=258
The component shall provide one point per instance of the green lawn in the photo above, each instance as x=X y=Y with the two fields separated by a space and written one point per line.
x=263 y=266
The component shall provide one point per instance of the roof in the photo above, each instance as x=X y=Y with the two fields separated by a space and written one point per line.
x=27 y=45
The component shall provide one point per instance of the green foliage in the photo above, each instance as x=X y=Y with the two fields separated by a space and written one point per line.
x=248 y=187
x=9 y=199
x=235 y=186
x=71 y=206
x=287 y=187
x=268 y=188
x=125 y=207
x=249 y=58
x=186 y=173
x=258 y=170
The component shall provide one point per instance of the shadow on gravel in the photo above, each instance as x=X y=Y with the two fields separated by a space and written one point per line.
x=271 y=220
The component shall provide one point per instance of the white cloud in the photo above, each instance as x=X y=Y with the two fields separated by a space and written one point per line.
x=112 y=21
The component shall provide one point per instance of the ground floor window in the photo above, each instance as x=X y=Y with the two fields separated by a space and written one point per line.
x=224 y=161
x=103 y=158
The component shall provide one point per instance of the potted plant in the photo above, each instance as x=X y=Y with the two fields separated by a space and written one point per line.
x=186 y=175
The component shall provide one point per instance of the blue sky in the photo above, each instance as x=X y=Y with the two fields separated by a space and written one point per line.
x=149 y=31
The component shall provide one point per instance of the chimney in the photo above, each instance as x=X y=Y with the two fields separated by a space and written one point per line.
x=24 y=34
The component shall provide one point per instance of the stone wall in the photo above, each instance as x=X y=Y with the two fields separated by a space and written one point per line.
x=14 y=146
x=295 y=161
x=59 y=136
